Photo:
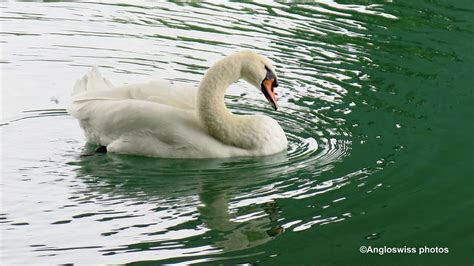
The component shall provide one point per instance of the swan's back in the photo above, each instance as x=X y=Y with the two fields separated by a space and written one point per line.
x=94 y=87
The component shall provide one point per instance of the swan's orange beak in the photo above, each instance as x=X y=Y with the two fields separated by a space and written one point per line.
x=267 y=89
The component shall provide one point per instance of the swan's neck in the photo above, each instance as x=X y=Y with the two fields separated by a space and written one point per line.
x=219 y=121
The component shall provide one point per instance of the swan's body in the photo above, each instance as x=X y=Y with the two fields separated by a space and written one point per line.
x=164 y=120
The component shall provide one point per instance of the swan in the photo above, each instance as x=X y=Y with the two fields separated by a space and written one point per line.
x=165 y=120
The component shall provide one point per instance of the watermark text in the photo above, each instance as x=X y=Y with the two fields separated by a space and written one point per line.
x=381 y=250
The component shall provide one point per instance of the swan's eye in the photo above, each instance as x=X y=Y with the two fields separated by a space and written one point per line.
x=269 y=75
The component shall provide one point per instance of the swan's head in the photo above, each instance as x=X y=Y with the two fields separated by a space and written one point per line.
x=258 y=71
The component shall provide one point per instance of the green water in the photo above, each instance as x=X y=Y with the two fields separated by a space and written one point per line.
x=376 y=100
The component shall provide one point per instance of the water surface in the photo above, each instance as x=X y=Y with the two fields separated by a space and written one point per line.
x=376 y=101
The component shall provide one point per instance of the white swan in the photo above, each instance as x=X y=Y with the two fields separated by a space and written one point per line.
x=163 y=120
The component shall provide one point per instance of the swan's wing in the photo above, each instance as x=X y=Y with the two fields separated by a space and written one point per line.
x=94 y=87
x=147 y=128
x=156 y=119
x=178 y=95
x=92 y=81
x=106 y=120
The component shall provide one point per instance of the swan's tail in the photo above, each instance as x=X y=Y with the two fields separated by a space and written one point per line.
x=92 y=81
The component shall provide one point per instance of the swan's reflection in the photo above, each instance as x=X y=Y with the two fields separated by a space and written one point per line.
x=216 y=183
x=217 y=216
